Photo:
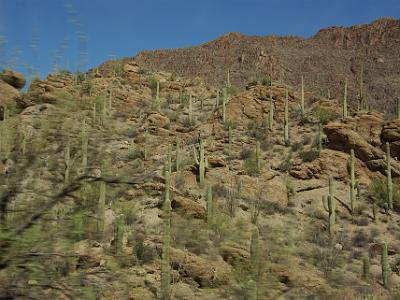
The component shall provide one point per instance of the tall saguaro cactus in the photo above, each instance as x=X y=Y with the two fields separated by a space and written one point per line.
x=286 y=121
x=67 y=162
x=118 y=234
x=329 y=204
x=271 y=112
x=210 y=206
x=352 y=181
x=389 y=181
x=165 y=258
x=344 y=115
x=258 y=154
x=101 y=206
x=302 y=95
x=157 y=104
x=190 y=108
x=201 y=161
x=224 y=101
x=177 y=155
x=385 y=264
x=85 y=141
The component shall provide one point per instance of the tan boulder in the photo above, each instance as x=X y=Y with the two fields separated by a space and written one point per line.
x=10 y=97
x=188 y=207
x=13 y=78
x=391 y=133
x=157 y=120
x=205 y=272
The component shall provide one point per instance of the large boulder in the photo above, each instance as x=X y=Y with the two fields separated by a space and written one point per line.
x=10 y=97
x=341 y=137
x=391 y=134
x=13 y=78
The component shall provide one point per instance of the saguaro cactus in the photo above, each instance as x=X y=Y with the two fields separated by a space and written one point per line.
x=210 y=206
x=101 y=207
x=385 y=264
x=169 y=159
x=165 y=258
x=67 y=162
x=271 y=112
x=389 y=181
x=190 y=108
x=157 y=104
x=85 y=141
x=258 y=154
x=217 y=100
x=345 y=100
x=230 y=138
x=201 y=161
x=302 y=95
x=319 y=138
x=329 y=204
x=118 y=234
x=224 y=101
x=177 y=155
x=366 y=265
x=352 y=181
x=286 y=121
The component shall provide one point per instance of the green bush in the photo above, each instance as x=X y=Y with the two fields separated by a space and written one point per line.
x=377 y=191
x=135 y=154
x=325 y=115
x=309 y=155
x=266 y=80
x=250 y=166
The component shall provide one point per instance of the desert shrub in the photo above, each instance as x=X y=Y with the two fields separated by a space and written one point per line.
x=135 y=154
x=188 y=123
x=130 y=132
x=173 y=116
x=233 y=90
x=153 y=85
x=143 y=252
x=360 y=239
x=325 y=115
x=230 y=123
x=377 y=191
x=250 y=166
x=297 y=146
x=309 y=155
x=246 y=153
x=266 y=80
x=219 y=191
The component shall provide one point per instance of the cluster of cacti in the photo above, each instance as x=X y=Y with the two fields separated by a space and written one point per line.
x=201 y=161
x=85 y=141
x=329 y=204
x=101 y=207
x=385 y=264
x=165 y=259
x=286 y=120
x=389 y=181
x=353 y=182
x=119 y=225
x=302 y=96
x=344 y=113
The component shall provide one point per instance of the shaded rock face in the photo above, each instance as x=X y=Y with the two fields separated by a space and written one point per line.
x=13 y=78
x=391 y=134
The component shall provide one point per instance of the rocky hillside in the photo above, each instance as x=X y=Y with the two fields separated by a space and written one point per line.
x=145 y=185
x=367 y=55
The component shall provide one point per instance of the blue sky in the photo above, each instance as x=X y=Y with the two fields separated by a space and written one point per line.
x=35 y=34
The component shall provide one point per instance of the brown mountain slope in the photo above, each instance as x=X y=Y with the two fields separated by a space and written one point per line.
x=325 y=60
